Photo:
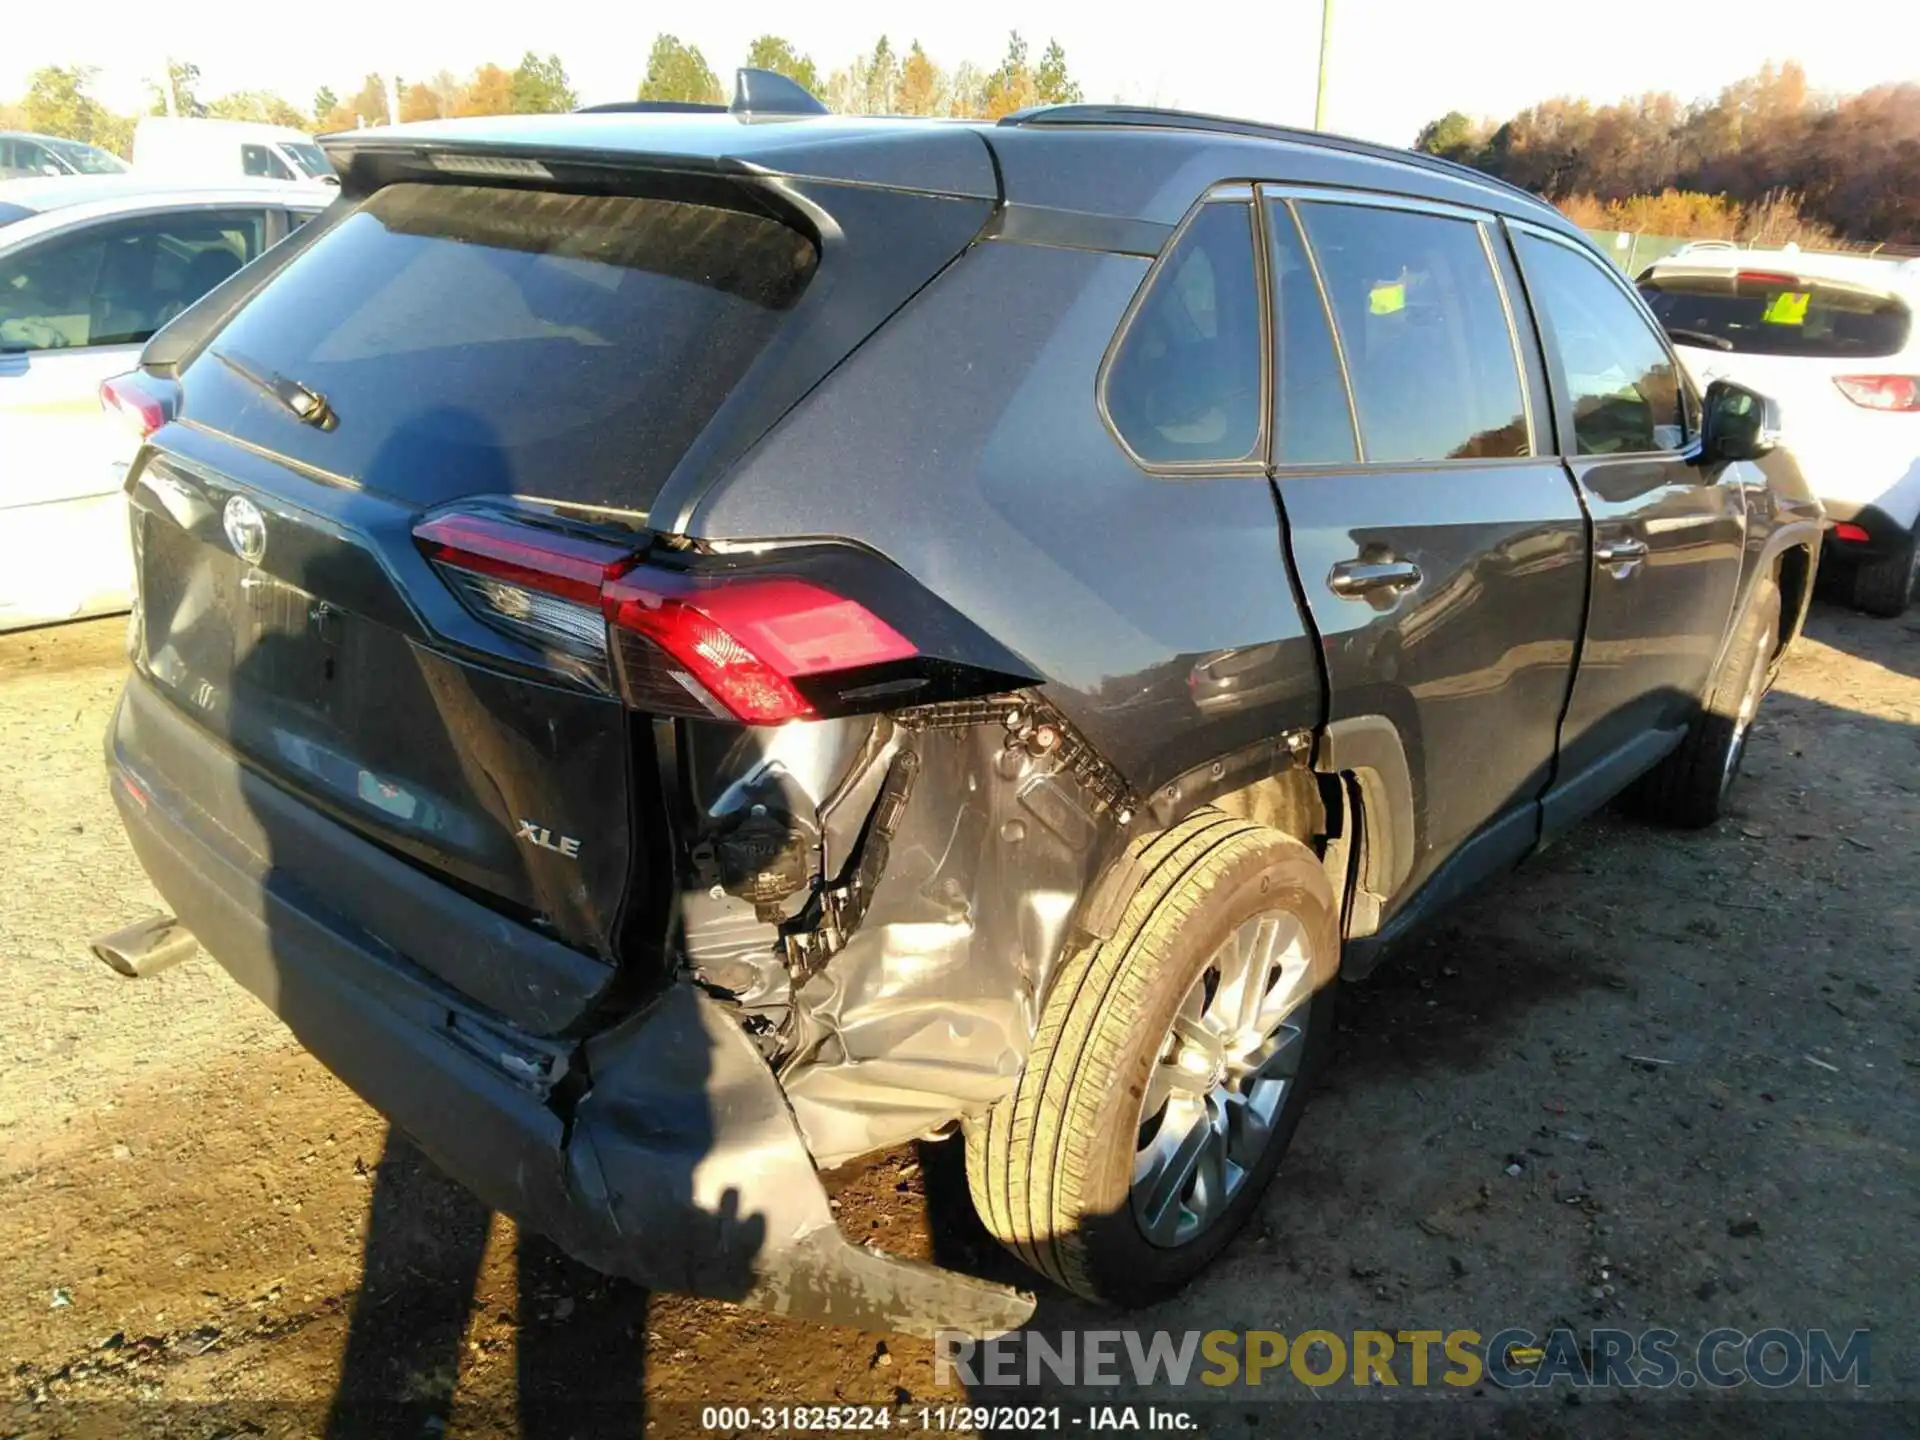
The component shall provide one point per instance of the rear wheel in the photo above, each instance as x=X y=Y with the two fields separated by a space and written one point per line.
x=1170 y=1067
x=1689 y=788
x=1886 y=586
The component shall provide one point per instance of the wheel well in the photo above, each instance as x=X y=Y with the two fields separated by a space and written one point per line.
x=1792 y=572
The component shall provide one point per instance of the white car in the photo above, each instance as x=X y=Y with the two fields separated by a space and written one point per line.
x=1832 y=339
x=23 y=154
x=89 y=269
x=214 y=152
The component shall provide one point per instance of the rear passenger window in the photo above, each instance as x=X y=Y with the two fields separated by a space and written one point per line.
x=1621 y=381
x=1184 y=386
x=1312 y=421
x=1428 y=346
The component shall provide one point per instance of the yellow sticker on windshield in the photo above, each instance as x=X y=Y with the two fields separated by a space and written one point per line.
x=1789 y=307
x=1388 y=297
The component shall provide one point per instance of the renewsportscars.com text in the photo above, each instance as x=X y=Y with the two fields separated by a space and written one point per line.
x=1513 y=1358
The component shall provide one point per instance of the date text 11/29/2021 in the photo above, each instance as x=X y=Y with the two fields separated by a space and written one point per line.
x=944 y=1419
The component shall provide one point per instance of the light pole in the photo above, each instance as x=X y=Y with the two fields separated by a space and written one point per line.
x=1320 y=90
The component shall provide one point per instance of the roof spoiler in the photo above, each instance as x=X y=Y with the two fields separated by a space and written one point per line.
x=755 y=93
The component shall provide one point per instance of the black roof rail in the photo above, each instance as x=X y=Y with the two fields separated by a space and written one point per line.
x=755 y=92
x=1148 y=115
x=652 y=107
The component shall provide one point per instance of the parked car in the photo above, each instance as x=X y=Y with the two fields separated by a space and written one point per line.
x=677 y=653
x=89 y=269
x=23 y=154
x=1831 y=337
x=214 y=152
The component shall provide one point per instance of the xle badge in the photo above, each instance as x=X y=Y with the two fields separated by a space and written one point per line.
x=543 y=837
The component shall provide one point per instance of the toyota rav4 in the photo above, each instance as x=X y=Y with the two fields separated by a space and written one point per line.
x=677 y=650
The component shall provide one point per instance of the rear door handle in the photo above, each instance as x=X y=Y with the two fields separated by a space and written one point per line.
x=1624 y=553
x=1355 y=578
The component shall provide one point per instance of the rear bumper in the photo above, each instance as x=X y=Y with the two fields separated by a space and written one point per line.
x=662 y=1150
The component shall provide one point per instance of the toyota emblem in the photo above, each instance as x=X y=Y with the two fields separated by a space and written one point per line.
x=246 y=529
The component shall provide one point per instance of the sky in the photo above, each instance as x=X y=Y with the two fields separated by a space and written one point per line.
x=1394 y=64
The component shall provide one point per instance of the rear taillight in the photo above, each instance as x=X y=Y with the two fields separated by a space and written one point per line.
x=144 y=404
x=1851 y=533
x=744 y=641
x=728 y=645
x=1881 y=392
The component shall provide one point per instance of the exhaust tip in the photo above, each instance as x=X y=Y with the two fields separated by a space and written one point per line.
x=146 y=948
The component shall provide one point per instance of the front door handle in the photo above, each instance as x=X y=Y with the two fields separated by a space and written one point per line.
x=1352 y=579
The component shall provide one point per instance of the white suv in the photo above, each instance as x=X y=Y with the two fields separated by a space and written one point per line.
x=1832 y=339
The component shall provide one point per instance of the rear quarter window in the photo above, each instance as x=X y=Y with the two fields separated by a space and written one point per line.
x=1757 y=313
x=473 y=340
x=1184 y=386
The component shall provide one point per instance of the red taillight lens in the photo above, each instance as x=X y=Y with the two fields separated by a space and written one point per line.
x=1853 y=533
x=142 y=410
x=746 y=640
x=1767 y=277
x=569 y=566
x=1881 y=392
x=731 y=645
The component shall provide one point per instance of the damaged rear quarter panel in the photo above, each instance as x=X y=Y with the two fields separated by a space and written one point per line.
x=1159 y=612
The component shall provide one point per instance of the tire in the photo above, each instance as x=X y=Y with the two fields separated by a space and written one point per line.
x=1052 y=1166
x=1689 y=788
x=1885 y=587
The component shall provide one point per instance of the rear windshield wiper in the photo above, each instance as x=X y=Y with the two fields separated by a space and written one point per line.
x=1700 y=337
x=309 y=407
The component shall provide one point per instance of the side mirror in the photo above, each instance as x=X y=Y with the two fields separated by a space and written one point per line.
x=1739 y=424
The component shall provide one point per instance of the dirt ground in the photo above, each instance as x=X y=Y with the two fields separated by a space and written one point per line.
x=202 y=1233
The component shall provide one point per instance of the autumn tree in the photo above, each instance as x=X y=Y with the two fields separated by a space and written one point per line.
x=57 y=103
x=677 y=71
x=1011 y=87
x=921 y=89
x=420 y=101
x=773 y=52
x=1453 y=137
x=325 y=102
x=262 y=106
x=1051 y=83
x=1852 y=162
x=540 y=87
x=489 y=92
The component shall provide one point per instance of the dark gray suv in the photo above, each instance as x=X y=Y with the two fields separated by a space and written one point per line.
x=678 y=650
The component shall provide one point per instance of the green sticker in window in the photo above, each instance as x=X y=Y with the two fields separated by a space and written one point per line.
x=1388 y=297
x=1789 y=307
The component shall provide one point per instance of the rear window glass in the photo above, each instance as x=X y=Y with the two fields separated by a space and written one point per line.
x=1759 y=314
x=485 y=341
x=1425 y=333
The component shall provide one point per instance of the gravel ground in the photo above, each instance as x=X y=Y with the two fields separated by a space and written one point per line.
x=204 y=1234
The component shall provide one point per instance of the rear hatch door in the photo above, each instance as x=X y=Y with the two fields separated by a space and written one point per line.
x=445 y=344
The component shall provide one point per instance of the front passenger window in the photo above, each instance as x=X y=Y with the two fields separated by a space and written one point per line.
x=117 y=284
x=1625 y=393
x=1184 y=386
x=259 y=161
